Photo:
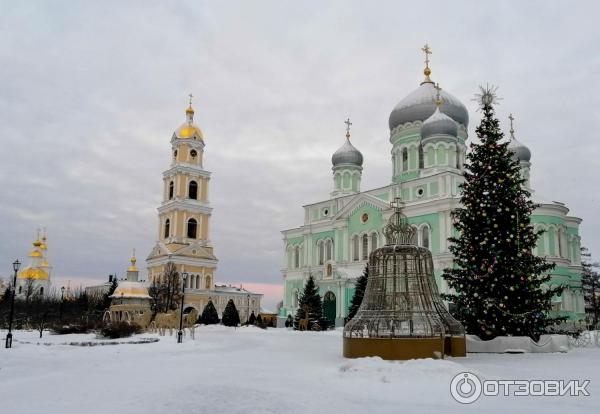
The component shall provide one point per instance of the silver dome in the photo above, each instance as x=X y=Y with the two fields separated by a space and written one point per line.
x=439 y=124
x=420 y=105
x=347 y=154
x=520 y=151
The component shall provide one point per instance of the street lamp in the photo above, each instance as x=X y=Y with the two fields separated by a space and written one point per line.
x=248 y=313
x=16 y=265
x=62 y=295
x=184 y=275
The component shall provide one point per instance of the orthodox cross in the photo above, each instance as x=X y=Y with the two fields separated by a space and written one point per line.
x=438 y=98
x=191 y=96
x=427 y=50
x=397 y=203
x=512 y=130
x=348 y=123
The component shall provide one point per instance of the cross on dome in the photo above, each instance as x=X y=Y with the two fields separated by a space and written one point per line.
x=427 y=71
x=348 y=124
x=438 y=98
x=512 y=130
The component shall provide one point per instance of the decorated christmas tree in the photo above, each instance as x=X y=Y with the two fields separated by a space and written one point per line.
x=500 y=287
x=359 y=292
x=310 y=302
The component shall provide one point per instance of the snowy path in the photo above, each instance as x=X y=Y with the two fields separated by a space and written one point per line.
x=249 y=370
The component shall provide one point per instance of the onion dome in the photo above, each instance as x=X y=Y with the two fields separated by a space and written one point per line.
x=520 y=151
x=420 y=105
x=129 y=289
x=33 y=273
x=188 y=129
x=133 y=267
x=439 y=124
x=347 y=154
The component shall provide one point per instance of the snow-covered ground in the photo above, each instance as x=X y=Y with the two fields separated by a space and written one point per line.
x=249 y=370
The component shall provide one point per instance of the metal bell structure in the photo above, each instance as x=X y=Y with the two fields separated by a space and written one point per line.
x=402 y=315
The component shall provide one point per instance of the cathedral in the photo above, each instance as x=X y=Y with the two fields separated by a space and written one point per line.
x=184 y=226
x=34 y=280
x=428 y=134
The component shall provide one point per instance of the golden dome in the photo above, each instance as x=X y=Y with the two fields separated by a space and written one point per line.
x=31 y=273
x=190 y=110
x=35 y=253
x=189 y=130
x=37 y=243
x=126 y=289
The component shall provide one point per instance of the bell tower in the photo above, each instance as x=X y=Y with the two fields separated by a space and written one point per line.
x=184 y=214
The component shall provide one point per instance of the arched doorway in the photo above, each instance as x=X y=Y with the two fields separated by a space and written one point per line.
x=329 y=308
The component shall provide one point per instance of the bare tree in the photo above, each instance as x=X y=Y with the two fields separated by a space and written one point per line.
x=165 y=291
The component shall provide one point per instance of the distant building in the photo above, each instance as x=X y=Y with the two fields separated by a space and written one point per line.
x=130 y=301
x=98 y=291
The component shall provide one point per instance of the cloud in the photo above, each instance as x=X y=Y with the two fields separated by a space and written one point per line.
x=93 y=91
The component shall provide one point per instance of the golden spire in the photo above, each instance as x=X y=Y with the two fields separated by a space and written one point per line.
x=348 y=123
x=133 y=260
x=427 y=71
x=37 y=242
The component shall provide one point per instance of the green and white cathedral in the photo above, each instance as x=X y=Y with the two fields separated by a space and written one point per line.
x=427 y=157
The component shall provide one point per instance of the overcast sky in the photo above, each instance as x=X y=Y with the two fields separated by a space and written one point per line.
x=90 y=93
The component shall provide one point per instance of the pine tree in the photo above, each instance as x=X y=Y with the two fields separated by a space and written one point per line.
x=252 y=319
x=209 y=315
x=590 y=284
x=500 y=286
x=359 y=292
x=310 y=300
x=231 y=317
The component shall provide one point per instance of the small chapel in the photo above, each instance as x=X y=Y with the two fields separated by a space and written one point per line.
x=428 y=135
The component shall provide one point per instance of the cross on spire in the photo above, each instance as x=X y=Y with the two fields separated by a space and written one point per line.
x=191 y=96
x=427 y=50
x=512 y=130
x=438 y=99
x=397 y=203
x=348 y=123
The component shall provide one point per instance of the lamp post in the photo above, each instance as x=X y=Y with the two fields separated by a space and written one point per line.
x=62 y=296
x=184 y=276
x=16 y=265
x=248 y=314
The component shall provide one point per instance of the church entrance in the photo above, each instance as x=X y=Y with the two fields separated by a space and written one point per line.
x=329 y=308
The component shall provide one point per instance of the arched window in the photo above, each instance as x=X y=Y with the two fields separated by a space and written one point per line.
x=41 y=290
x=167 y=228
x=171 y=188
x=421 y=157
x=192 y=226
x=321 y=248
x=405 y=159
x=355 y=248
x=193 y=190
x=329 y=270
x=458 y=157
x=297 y=257
x=207 y=285
x=414 y=240
x=365 y=247
x=373 y=241
x=328 y=250
x=425 y=237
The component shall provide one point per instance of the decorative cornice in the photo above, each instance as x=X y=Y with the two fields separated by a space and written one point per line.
x=186 y=168
x=194 y=206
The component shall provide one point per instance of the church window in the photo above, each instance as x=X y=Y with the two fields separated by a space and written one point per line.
x=414 y=240
x=192 y=226
x=193 y=153
x=41 y=290
x=297 y=257
x=425 y=237
x=329 y=270
x=373 y=241
x=457 y=157
x=421 y=156
x=193 y=190
x=167 y=228
x=171 y=188
x=365 y=247
x=207 y=285
x=175 y=154
x=405 y=159
x=20 y=289
x=355 y=248
x=321 y=248
x=328 y=250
